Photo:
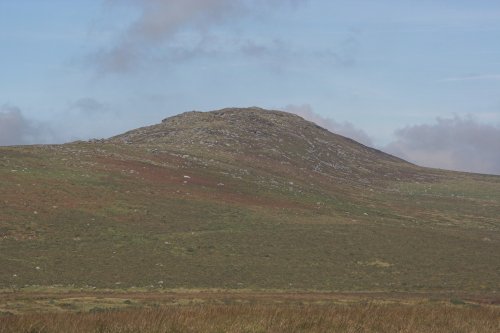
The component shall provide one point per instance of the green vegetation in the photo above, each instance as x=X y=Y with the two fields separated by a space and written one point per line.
x=242 y=200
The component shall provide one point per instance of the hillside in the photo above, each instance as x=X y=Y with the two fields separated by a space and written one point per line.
x=242 y=199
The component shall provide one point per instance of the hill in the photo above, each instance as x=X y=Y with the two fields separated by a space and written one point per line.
x=242 y=199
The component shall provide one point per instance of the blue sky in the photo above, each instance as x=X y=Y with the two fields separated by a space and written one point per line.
x=384 y=72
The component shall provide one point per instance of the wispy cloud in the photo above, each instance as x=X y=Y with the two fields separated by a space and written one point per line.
x=345 y=129
x=161 y=21
x=88 y=105
x=16 y=129
x=344 y=53
x=451 y=143
x=473 y=77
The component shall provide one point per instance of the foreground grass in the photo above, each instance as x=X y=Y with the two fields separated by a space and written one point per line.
x=369 y=317
x=40 y=311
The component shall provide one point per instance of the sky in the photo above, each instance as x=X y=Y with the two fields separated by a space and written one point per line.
x=416 y=78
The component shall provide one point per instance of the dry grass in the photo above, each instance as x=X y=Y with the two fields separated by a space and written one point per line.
x=369 y=317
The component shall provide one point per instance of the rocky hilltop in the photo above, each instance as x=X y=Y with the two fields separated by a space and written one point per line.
x=273 y=139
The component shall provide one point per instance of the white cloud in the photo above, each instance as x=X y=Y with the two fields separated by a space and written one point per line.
x=15 y=129
x=451 y=143
x=345 y=129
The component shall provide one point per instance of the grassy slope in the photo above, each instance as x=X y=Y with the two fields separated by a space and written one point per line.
x=117 y=215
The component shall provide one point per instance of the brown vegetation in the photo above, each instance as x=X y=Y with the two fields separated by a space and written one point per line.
x=369 y=317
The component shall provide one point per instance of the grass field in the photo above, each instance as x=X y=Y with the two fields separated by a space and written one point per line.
x=243 y=200
x=226 y=311
x=100 y=215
